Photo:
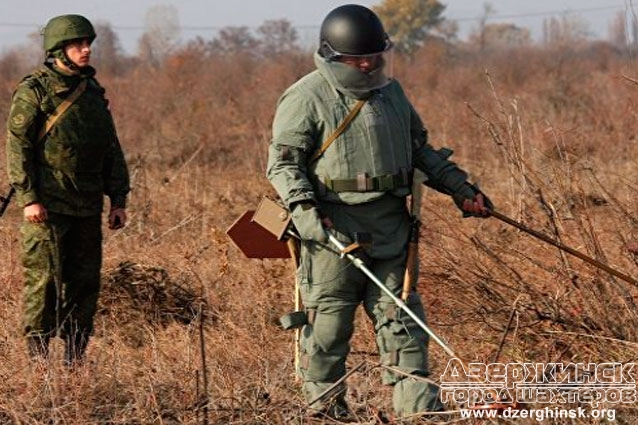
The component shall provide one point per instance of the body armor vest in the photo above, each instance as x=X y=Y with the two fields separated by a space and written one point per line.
x=372 y=156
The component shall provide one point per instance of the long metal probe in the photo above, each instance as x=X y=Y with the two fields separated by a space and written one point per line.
x=358 y=263
x=565 y=248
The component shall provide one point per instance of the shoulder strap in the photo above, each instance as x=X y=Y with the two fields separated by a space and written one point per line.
x=62 y=107
x=344 y=124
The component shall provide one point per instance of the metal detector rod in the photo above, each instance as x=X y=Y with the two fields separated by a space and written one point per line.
x=565 y=248
x=361 y=266
x=358 y=263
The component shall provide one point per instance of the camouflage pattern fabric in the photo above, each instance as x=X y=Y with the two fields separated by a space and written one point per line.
x=68 y=171
x=64 y=28
x=62 y=260
x=79 y=161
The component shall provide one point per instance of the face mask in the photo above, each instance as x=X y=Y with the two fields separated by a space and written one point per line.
x=350 y=80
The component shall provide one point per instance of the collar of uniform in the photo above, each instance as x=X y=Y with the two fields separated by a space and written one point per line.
x=61 y=82
x=349 y=80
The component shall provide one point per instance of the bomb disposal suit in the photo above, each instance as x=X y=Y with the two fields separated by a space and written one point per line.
x=359 y=184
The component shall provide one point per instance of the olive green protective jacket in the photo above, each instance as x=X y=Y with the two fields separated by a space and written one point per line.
x=79 y=161
x=385 y=140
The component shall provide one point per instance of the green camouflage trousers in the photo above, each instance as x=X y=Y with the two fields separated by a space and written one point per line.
x=331 y=290
x=62 y=260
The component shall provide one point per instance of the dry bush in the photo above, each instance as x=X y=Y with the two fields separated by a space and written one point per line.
x=549 y=134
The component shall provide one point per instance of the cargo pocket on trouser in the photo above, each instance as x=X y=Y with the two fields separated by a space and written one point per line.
x=39 y=262
x=403 y=346
x=325 y=344
x=325 y=341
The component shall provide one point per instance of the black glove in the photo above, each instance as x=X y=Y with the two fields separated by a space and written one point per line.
x=470 y=192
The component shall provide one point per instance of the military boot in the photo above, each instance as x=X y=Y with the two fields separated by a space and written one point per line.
x=38 y=346
x=74 y=348
x=337 y=410
x=334 y=407
x=413 y=397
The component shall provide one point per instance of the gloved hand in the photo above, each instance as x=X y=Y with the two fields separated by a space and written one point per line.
x=305 y=217
x=473 y=202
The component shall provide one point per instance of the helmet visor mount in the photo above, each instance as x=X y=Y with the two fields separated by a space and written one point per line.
x=331 y=54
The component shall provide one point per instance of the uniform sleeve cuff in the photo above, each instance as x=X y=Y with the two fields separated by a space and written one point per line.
x=26 y=198
x=299 y=199
x=466 y=191
x=118 y=202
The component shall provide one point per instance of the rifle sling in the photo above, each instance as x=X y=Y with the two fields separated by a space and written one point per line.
x=61 y=109
x=48 y=125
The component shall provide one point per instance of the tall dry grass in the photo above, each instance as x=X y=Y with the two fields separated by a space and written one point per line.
x=549 y=134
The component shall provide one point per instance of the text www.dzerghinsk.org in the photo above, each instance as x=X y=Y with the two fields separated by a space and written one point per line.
x=540 y=414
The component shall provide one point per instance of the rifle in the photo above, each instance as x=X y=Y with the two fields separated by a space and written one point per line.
x=4 y=201
x=410 y=278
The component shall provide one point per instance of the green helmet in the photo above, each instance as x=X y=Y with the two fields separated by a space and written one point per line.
x=62 y=29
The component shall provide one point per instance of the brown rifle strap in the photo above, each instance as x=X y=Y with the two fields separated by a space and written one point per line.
x=48 y=125
x=342 y=127
x=61 y=109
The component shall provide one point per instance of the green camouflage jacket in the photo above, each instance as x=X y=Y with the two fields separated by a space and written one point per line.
x=79 y=161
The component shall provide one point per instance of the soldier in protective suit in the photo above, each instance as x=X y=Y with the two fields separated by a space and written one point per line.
x=61 y=168
x=358 y=185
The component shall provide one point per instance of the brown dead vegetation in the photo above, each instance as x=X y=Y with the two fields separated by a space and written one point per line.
x=551 y=135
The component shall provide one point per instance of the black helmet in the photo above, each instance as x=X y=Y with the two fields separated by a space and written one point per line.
x=352 y=30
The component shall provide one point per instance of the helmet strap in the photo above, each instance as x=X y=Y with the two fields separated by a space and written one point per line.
x=62 y=57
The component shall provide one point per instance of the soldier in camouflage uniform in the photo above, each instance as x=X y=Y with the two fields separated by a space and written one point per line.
x=60 y=178
x=358 y=185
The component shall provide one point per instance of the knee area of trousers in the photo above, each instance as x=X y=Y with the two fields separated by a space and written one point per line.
x=396 y=335
x=329 y=332
x=403 y=353
x=320 y=366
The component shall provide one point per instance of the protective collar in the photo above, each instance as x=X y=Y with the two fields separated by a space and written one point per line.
x=349 y=80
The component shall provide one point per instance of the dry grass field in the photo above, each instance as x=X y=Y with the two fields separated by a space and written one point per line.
x=551 y=135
